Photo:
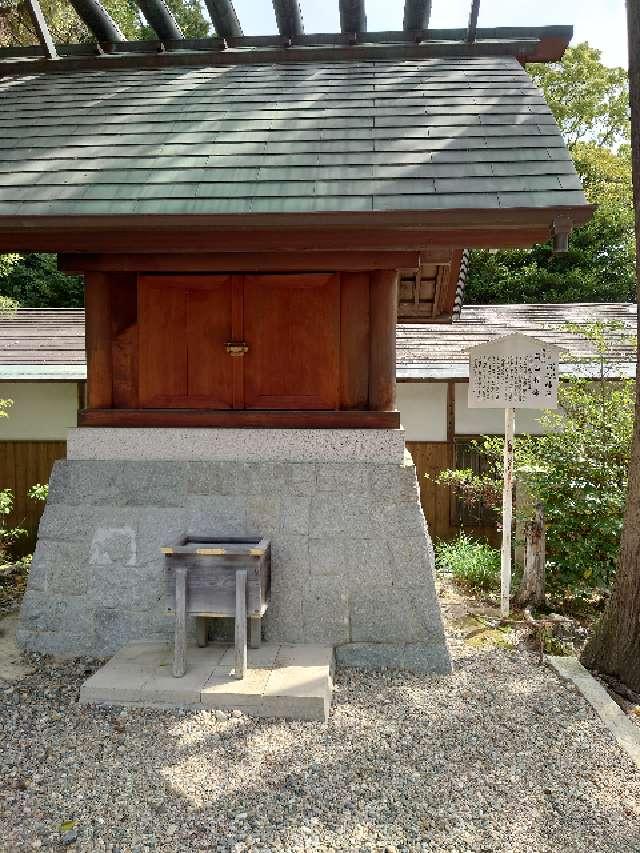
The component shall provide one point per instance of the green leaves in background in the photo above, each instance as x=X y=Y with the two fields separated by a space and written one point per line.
x=590 y=103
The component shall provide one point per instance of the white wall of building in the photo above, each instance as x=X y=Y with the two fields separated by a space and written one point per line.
x=423 y=410
x=46 y=410
x=490 y=421
x=41 y=411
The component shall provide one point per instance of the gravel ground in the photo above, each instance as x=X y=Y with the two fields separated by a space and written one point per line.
x=498 y=757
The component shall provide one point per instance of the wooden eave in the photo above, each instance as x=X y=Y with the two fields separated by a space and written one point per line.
x=409 y=230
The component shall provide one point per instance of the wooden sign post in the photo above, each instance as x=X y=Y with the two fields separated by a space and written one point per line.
x=512 y=372
x=507 y=512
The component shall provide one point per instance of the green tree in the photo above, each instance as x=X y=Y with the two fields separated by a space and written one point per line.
x=590 y=103
x=614 y=648
x=66 y=27
x=34 y=281
x=589 y=100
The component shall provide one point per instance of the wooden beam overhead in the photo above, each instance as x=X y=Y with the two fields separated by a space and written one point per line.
x=321 y=261
x=528 y=44
x=42 y=30
x=473 y=21
x=288 y=18
x=352 y=16
x=145 y=55
x=416 y=14
x=160 y=19
x=99 y=21
x=224 y=18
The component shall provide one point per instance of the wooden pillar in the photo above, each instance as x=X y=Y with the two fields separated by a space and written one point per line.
x=241 y=623
x=383 y=311
x=97 y=302
x=180 y=652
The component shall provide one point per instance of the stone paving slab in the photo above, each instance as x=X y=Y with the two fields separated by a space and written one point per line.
x=293 y=682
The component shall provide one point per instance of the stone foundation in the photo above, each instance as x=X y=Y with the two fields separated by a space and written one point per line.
x=352 y=562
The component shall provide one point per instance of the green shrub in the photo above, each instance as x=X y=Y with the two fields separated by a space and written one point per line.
x=474 y=565
x=577 y=470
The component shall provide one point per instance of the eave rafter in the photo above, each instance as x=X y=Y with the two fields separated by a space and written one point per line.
x=353 y=18
x=416 y=15
x=224 y=19
x=472 y=28
x=160 y=19
x=42 y=30
x=99 y=21
x=288 y=18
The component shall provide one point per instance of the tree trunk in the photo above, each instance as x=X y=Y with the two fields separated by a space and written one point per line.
x=615 y=647
x=531 y=591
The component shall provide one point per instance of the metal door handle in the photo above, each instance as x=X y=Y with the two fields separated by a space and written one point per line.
x=236 y=349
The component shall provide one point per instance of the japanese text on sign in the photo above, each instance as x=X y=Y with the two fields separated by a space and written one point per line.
x=513 y=372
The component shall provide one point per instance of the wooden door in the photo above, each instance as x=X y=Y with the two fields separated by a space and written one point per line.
x=184 y=323
x=292 y=328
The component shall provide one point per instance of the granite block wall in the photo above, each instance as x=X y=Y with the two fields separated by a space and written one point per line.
x=352 y=562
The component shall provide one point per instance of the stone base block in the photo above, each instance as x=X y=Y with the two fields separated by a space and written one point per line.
x=255 y=445
x=412 y=657
x=352 y=562
x=286 y=681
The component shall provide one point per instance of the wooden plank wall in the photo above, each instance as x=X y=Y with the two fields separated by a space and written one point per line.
x=22 y=464
x=430 y=458
x=438 y=503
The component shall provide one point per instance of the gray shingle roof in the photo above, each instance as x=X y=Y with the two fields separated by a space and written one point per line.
x=427 y=134
x=42 y=343
x=441 y=352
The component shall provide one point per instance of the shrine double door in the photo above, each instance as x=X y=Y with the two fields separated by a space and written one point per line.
x=239 y=341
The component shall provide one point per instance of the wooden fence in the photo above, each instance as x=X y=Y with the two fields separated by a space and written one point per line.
x=445 y=516
x=22 y=464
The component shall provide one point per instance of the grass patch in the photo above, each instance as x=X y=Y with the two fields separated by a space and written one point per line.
x=473 y=565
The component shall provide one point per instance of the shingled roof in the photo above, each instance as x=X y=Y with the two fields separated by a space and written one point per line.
x=438 y=353
x=42 y=343
x=421 y=135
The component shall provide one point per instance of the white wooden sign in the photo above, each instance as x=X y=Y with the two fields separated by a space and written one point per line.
x=516 y=372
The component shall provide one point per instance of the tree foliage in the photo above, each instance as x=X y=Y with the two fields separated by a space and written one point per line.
x=33 y=281
x=590 y=103
x=589 y=100
x=66 y=27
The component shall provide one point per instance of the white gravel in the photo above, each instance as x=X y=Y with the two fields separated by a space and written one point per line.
x=499 y=757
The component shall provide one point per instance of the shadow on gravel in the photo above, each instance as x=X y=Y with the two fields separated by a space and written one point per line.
x=500 y=757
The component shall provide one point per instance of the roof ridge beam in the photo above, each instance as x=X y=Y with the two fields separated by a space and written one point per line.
x=353 y=18
x=224 y=19
x=160 y=19
x=99 y=21
x=416 y=14
x=288 y=18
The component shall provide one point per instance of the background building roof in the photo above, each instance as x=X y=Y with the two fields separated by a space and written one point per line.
x=42 y=343
x=48 y=343
x=415 y=135
x=429 y=352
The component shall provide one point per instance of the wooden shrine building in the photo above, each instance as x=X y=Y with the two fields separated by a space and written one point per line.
x=242 y=209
